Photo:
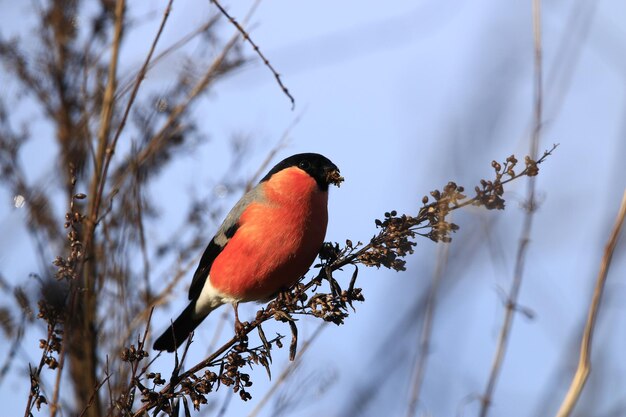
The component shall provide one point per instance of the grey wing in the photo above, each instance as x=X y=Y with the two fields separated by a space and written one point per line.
x=226 y=231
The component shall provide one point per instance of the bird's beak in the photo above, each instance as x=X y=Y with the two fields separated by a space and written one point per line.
x=333 y=177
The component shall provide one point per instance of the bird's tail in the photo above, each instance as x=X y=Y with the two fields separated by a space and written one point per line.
x=178 y=332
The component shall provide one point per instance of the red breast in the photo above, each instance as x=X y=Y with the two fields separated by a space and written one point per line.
x=277 y=239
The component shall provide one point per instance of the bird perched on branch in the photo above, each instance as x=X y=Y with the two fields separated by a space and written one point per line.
x=266 y=243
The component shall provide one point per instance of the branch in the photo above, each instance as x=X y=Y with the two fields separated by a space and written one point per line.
x=80 y=332
x=267 y=63
x=584 y=362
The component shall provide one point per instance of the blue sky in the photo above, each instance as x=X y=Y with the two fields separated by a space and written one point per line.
x=404 y=97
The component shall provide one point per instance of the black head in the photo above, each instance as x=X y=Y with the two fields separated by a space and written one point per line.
x=317 y=166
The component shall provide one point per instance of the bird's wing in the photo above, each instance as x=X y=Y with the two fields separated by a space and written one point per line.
x=226 y=231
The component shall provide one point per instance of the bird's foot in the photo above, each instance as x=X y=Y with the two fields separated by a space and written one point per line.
x=241 y=328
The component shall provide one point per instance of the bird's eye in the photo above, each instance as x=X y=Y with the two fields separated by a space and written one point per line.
x=304 y=165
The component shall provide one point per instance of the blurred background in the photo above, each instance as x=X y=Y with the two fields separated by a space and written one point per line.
x=404 y=97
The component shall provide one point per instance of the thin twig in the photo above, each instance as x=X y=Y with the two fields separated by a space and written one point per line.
x=267 y=63
x=425 y=335
x=35 y=382
x=584 y=362
x=511 y=303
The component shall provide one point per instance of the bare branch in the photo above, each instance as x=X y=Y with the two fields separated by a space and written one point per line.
x=267 y=63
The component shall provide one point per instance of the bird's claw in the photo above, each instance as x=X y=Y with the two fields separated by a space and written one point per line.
x=241 y=328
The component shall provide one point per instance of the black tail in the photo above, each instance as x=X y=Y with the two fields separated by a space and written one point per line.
x=178 y=332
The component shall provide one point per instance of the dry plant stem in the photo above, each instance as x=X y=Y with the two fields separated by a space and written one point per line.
x=284 y=375
x=511 y=303
x=105 y=125
x=109 y=93
x=49 y=346
x=34 y=375
x=267 y=63
x=425 y=335
x=584 y=362
x=82 y=311
x=101 y=164
x=140 y=76
x=100 y=159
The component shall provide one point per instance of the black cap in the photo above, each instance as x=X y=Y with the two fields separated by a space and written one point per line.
x=317 y=166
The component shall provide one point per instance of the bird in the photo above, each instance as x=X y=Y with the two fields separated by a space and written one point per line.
x=266 y=243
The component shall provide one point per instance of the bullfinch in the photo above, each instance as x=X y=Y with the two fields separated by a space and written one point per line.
x=266 y=243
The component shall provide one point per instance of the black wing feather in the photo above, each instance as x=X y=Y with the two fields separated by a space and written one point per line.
x=202 y=272
x=204 y=267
